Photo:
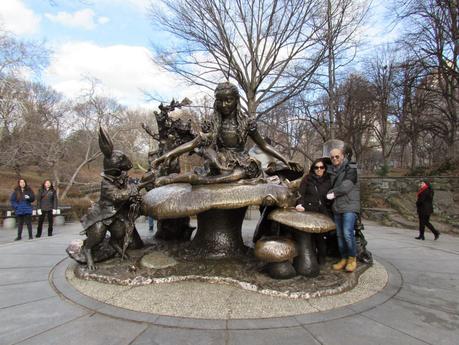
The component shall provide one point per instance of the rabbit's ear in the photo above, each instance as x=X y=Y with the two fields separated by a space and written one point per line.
x=105 y=143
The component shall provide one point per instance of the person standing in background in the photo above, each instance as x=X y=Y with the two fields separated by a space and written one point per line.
x=21 y=200
x=46 y=206
x=424 y=207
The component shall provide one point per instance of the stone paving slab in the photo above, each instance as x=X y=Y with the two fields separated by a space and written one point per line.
x=33 y=318
x=28 y=260
x=155 y=335
x=90 y=330
x=23 y=275
x=291 y=336
x=435 y=298
x=31 y=291
x=433 y=280
x=358 y=330
x=430 y=325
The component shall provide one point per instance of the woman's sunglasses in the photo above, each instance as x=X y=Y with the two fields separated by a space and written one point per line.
x=319 y=167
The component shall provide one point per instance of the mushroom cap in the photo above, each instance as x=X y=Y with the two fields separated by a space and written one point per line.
x=182 y=199
x=275 y=249
x=312 y=222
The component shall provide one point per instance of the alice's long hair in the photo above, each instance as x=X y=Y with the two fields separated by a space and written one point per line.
x=242 y=119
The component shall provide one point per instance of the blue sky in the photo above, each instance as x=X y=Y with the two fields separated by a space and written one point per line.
x=110 y=40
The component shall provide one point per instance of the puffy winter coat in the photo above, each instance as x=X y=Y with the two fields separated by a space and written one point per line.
x=313 y=191
x=21 y=205
x=346 y=187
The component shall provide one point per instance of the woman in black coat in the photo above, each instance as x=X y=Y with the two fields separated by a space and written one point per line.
x=314 y=188
x=424 y=207
x=46 y=206
x=313 y=197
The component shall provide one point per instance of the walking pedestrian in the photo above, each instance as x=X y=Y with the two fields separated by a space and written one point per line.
x=424 y=207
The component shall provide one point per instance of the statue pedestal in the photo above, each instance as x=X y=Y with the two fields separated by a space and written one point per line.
x=219 y=233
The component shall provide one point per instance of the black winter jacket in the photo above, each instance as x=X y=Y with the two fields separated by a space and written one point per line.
x=313 y=193
x=47 y=199
x=424 y=203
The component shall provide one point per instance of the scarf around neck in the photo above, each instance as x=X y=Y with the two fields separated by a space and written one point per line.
x=422 y=189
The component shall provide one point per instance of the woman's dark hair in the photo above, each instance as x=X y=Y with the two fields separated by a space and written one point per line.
x=321 y=160
x=18 y=189
x=43 y=184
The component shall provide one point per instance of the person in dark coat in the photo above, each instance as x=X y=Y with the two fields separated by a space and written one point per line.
x=313 y=197
x=21 y=200
x=345 y=193
x=314 y=188
x=424 y=207
x=46 y=206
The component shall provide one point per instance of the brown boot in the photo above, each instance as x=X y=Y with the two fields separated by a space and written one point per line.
x=339 y=265
x=351 y=264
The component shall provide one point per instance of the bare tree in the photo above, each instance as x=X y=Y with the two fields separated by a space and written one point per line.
x=355 y=117
x=270 y=48
x=432 y=38
x=89 y=113
x=383 y=71
x=343 y=18
x=16 y=54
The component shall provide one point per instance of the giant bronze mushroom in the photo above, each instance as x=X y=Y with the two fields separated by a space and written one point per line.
x=278 y=253
x=304 y=224
x=220 y=210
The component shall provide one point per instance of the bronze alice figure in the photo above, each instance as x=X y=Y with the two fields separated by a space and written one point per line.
x=222 y=144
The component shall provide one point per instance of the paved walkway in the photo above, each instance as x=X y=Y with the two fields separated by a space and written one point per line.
x=420 y=304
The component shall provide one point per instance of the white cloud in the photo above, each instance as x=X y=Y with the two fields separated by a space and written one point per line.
x=17 y=18
x=124 y=71
x=103 y=20
x=85 y=19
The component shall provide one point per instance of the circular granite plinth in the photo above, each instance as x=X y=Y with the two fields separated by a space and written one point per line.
x=207 y=300
x=200 y=311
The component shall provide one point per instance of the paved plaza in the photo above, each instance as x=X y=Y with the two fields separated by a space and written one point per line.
x=418 y=305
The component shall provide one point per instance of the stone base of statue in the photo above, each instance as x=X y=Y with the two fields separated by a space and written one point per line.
x=164 y=262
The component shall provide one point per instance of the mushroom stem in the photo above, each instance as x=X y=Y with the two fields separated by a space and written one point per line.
x=280 y=270
x=219 y=233
x=306 y=262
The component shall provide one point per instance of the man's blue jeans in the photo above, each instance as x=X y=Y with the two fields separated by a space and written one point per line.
x=150 y=223
x=345 y=232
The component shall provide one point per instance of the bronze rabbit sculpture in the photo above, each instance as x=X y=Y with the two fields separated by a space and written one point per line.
x=117 y=207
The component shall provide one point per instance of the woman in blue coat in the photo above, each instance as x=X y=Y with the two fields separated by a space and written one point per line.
x=21 y=201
